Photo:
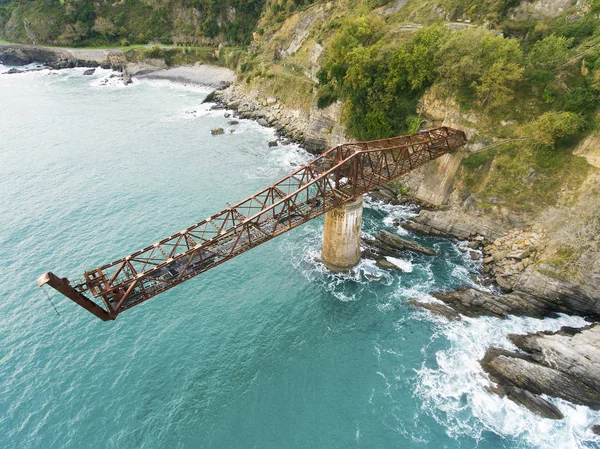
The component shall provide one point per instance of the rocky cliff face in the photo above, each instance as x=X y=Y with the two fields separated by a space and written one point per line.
x=528 y=9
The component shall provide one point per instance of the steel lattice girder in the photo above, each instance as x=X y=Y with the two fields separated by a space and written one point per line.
x=328 y=181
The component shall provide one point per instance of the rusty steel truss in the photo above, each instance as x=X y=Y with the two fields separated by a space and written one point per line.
x=335 y=177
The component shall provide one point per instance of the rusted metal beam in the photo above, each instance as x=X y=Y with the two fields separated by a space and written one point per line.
x=63 y=286
x=328 y=181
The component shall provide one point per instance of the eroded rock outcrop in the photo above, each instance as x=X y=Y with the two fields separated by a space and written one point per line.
x=454 y=224
x=564 y=364
x=387 y=249
x=388 y=242
x=474 y=303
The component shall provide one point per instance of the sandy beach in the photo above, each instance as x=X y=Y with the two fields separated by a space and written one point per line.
x=201 y=74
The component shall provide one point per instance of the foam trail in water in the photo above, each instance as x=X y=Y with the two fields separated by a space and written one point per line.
x=175 y=85
x=453 y=392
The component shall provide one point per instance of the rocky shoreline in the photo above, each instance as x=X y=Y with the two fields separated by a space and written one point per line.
x=289 y=125
x=563 y=364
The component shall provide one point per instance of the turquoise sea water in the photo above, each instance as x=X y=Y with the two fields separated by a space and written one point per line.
x=266 y=351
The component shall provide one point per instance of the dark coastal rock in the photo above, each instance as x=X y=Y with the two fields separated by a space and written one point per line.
x=537 y=297
x=438 y=309
x=89 y=72
x=385 y=195
x=232 y=122
x=126 y=77
x=211 y=97
x=14 y=71
x=533 y=402
x=564 y=364
x=386 y=240
x=474 y=303
x=596 y=429
x=272 y=143
x=19 y=55
x=86 y=63
x=63 y=62
x=217 y=131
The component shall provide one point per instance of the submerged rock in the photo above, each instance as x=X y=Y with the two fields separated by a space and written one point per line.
x=272 y=143
x=438 y=309
x=232 y=122
x=393 y=263
x=89 y=72
x=217 y=131
x=385 y=264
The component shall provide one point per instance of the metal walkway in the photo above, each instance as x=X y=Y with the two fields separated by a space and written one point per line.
x=335 y=177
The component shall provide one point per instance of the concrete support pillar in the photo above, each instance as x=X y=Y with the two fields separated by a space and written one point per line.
x=341 y=240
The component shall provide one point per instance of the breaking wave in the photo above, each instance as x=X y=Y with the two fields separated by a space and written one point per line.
x=453 y=388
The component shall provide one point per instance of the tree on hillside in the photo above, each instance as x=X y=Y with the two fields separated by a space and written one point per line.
x=412 y=66
x=551 y=127
x=104 y=27
x=480 y=64
x=550 y=52
x=496 y=85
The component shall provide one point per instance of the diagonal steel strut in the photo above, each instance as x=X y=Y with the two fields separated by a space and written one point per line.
x=337 y=176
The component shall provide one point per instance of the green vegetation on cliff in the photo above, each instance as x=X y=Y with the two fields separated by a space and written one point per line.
x=123 y=22
x=381 y=75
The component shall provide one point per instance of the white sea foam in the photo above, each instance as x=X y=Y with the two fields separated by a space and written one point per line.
x=453 y=392
x=404 y=265
x=392 y=213
x=175 y=85
x=281 y=159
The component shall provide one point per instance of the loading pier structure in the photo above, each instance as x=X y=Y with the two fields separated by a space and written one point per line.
x=333 y=184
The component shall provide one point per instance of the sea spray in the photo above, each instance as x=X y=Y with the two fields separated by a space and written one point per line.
x=453 y=389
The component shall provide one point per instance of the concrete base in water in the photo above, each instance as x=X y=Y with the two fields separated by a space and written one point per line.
x=341 y=239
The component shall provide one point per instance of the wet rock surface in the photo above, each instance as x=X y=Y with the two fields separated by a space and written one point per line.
x=387 y=244
x=564 y=364
x=437 y=309
x=386 y=241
